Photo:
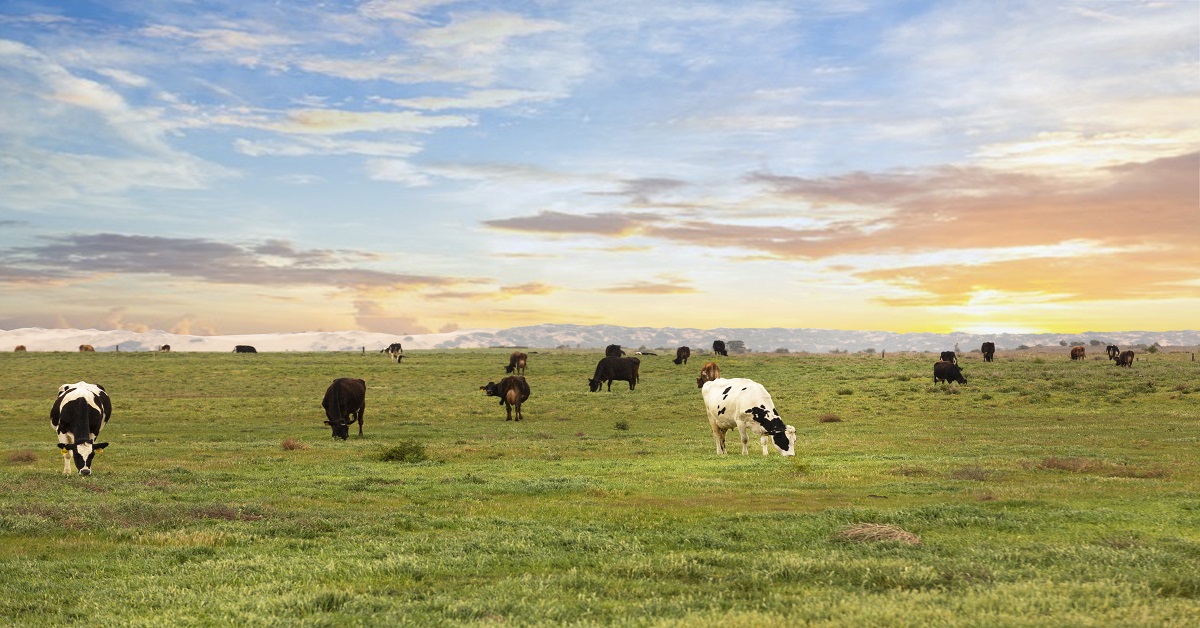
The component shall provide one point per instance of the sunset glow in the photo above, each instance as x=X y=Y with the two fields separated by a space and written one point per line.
x=411 y=167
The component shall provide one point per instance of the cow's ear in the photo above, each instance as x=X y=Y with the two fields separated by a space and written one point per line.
x=99 y=446
x=99 y=386
x=66 y=446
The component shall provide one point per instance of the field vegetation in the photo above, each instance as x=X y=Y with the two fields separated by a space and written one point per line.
x=1043 y=492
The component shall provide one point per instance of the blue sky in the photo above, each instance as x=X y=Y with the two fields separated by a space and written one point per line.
x=409 y=166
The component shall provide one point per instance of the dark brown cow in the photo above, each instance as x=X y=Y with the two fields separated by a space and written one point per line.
x=516 y=363
x=945 y=371
x=613 y=351
x=719 y=348
x=165 y=348
x=1078 y=352
x=948 y=356
x=1113 y=352
x=682 y=354
x=615 y=367
x=1125 y=359
x=19 y=348
x=87 y=349
x=344 y=402
x=244 y=349
x=709 y=372
x=512 y=391
x=989 y=350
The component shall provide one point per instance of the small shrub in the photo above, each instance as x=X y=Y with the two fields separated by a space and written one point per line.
x=292 y=443
x=23 y=456
x=404 y=451
x=829 y=418
x=622 y=425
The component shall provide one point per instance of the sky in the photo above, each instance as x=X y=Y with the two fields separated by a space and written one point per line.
x=416 y=166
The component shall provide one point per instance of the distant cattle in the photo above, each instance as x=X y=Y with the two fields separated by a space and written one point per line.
x=1125 y=359
x=394 y=350
x=719 y=348
x=345 y=401
x=614 y=367
x=1113 y=352
x=944 y=371
x=1077 y=352
x=644 y=353
x=682 y=354
x=19 y=348
x=512 y=391
x=87 y=349
x=78 y=414
x=744 y=404
x=613 y=351
x=708 y=373
x=516 y=363
x=948 y=356
x=989 y=350
x=244 y=349
x=165 y=348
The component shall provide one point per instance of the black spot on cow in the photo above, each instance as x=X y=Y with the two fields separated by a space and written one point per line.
x=773 y=426
x=721 y=412
x=725 y=393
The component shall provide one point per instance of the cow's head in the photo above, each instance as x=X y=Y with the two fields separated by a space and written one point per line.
x=82 y=454
x=594 y=384
x=340 y=427
x=957 y=376
x=492 y=389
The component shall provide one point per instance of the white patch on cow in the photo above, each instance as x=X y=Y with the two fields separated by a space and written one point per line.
x=88 y=392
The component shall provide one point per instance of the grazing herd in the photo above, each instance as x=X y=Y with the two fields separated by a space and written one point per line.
x=81 y=409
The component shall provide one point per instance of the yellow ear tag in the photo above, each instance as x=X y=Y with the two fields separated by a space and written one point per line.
x=65 y=451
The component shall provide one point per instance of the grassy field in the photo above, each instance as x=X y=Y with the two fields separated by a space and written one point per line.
x=1044 y=492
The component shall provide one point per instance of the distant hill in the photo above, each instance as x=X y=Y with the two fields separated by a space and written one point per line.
x=578 y=336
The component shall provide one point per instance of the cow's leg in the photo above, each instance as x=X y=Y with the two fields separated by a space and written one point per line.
x=518 y=410
x=719 y=439
x=66 y=439
x=745 y=439
x=764 y=440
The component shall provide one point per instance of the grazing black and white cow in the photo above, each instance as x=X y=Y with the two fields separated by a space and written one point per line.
x=945 y=371
x=948 y=356
x=615 y=367
x=165 y=348
x=512 y=391
x=719 y=348
x=345 y=401
x=79 y=413
x=744 y=404
x=394 y=350
x=989 y=350
x=244 y=349
x=613 y=351
x=682 y=354
x=1125 y=359
x=516 y=363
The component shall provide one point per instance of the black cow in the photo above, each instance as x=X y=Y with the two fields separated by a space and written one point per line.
x=512 y=391
x=1125 y=359
x=989 y=350
x=1113 y=352
x=516 y=363
x=244 y=349
x=79 y=412
x=344 y=402
x=615 y=367
x=944 y=371
x=948 y=356
x=613 y=351
x=719 y=348
x=682 y=354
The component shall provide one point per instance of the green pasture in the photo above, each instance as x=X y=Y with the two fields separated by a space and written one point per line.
x=1043 y=492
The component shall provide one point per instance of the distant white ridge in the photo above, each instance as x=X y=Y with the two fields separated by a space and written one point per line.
x=575 y=336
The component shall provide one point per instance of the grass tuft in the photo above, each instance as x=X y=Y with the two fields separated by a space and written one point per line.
x=878 y=532
x=622 y=425
x=829 y=418
x=404 y=451
x=291 y=443
x=1099 y=467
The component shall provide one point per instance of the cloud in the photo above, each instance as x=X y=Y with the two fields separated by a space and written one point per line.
x=476 y=99
x=271 y=263
x=652 y=287
x=334 y=121
x=558 y=223
x=222 y=39
x=372 y=316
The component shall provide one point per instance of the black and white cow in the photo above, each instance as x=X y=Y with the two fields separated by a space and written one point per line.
x=344 y=402
x=394 y=350
x=79 y=412
x=744 y=404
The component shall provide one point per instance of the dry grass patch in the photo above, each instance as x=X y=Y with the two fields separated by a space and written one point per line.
x=878 y=532
x=291 y=443
x=1100 y=467
x=24 y=456
x=829 y=418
